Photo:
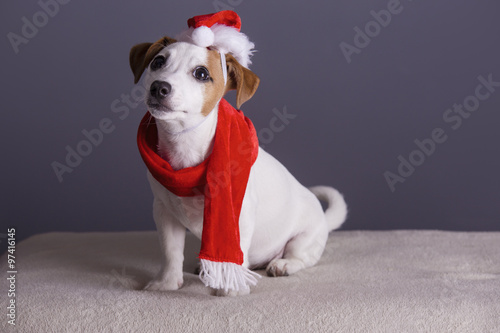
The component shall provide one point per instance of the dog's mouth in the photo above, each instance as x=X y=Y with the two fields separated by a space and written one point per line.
x=154 y=104
x=161 y=111
x=159 y=107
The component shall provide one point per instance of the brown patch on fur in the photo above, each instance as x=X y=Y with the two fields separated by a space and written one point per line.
x=142 y=54
x=242 y=79
x=214 y=90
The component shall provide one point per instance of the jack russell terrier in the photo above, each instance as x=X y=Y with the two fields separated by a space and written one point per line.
x=258 y=215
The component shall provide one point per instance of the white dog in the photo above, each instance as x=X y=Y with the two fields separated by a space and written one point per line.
x=282 y=225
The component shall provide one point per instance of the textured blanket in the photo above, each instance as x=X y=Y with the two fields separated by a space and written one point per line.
x=390 y=281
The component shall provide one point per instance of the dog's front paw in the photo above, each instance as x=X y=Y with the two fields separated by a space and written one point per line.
x=284 y=267
x=277 y=268
x=164 y=284
x=230 y=292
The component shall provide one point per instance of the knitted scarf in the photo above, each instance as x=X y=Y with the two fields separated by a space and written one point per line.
x=222 y=178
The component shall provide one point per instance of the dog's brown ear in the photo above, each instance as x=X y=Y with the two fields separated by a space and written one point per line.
x=242 y=79
x=142 y=54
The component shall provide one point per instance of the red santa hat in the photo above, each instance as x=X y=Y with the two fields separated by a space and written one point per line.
x=220 y=31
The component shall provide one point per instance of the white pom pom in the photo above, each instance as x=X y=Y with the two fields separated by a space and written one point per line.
x=203 y=36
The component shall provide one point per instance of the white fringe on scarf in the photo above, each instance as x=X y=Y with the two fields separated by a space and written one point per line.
x=226 y=275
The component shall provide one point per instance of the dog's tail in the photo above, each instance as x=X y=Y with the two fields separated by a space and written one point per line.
x=336 y=212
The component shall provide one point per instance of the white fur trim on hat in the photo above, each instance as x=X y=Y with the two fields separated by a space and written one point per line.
x=225 y=40
x=203 y=36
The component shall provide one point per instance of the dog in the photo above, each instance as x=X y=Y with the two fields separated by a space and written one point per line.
x=282 y=225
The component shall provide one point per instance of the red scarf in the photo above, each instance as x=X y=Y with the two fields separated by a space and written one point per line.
x=223 y=179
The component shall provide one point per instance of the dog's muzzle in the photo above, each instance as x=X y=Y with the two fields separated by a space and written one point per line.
x=160 y=90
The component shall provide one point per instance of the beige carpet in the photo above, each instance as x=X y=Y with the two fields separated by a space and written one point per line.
x=391 y=281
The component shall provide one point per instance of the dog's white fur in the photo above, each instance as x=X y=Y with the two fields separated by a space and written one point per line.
x=282 y=224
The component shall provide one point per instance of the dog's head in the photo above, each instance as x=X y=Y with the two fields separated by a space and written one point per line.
x=183 y=79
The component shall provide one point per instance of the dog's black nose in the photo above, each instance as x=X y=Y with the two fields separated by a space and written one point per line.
x=160 y=89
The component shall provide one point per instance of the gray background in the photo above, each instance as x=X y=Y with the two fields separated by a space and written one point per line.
x=352 y=121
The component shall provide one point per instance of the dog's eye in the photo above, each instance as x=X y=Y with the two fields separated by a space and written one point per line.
x=201 y=73
x=158 y=62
